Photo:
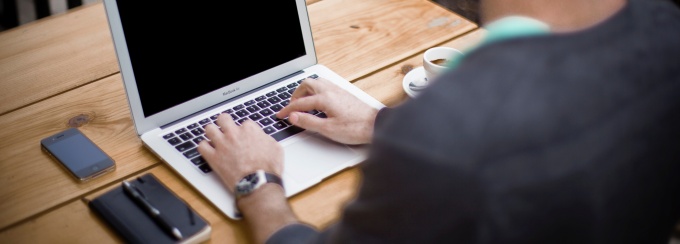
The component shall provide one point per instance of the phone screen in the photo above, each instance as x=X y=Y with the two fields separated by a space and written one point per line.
x=78 y=153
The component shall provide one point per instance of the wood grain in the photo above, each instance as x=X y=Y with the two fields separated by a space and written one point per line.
x=377 y=33
x=53 y=55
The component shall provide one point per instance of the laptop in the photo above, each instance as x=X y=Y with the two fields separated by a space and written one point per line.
x=182 y=64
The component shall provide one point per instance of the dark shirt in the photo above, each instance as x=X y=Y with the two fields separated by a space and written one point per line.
x=563 y=138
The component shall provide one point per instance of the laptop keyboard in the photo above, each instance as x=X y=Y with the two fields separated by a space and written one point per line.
x=262 y=110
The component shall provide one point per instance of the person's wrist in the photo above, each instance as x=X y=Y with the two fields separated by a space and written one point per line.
x=266 y=211
x=255 y=180
x=264 y=197
x=370 y=126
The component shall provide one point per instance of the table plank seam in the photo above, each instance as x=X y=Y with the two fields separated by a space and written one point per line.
x=57 y=94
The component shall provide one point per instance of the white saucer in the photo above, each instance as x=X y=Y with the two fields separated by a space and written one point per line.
x=414 y=74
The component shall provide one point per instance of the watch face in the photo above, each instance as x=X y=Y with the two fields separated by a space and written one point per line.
x=247 y=184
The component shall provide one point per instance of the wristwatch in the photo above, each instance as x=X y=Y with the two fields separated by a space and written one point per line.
x=251 y=182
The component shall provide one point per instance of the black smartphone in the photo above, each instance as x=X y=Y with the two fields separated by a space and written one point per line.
x=78 y=154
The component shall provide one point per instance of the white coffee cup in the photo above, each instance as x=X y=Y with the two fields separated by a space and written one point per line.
x=437 y=60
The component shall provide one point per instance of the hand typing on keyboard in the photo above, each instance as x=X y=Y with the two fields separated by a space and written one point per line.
x=231 y=154
x=348 y=119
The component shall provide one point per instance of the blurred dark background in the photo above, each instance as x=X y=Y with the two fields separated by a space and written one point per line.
x=466 y=8
x=17 y=12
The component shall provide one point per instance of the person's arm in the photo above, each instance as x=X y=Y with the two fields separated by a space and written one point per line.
x=266 y=211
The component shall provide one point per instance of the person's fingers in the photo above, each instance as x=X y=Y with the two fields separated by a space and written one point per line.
x=226 y=123
x=228 y=126
x=302 y=104
x=206 y=150
x=250 y=126
x=307 y=121
x=213 y=133
x=306 y=88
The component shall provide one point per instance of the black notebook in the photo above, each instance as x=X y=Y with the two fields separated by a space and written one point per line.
x=135 y=225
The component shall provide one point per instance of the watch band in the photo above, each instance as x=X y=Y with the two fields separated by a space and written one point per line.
x=253 y=181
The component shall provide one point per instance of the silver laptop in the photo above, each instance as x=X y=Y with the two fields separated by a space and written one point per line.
x=184 y=63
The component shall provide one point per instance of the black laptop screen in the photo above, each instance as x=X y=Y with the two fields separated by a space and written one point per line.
x=183 y=49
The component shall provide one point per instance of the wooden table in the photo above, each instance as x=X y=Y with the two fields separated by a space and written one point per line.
x=61 y=71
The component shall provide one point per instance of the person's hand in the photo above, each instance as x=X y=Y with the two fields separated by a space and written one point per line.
x=236 y=151
x=349 y=120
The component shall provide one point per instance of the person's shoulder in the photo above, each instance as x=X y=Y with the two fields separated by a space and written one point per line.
x=655 y=14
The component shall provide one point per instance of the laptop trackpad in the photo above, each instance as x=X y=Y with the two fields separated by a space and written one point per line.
x=315 y=157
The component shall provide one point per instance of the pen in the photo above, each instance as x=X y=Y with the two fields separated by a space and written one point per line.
x=151 y=210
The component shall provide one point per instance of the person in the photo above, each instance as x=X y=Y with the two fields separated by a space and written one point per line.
x=568 y=137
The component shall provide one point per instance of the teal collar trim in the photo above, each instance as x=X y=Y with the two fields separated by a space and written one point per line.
x=507 y=28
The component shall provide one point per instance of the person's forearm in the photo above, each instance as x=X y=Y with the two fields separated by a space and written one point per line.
x=266 y=211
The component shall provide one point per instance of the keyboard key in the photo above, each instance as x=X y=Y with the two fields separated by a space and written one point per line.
x=198 y=139
x=191 y=153
x=274 y=100
x=280 y=125
x=271 y=94
x=186 y=136
x=198 y=160
x=168 y=136
x=268 y=130
x=266 y=121
x=266 y=112
x=239 y=107
x=184 y=146
x=180 y=131
x=283 y=134
x=204 y=121
x=284 y=96
x=263 y=104
x=260 y=98
x=282 y=89
x=197 y=131
x=253 y=108
x=242 y=113
x=174 y=141
x=249 y=102
x=276 y=107
x=255 y=117
x=192 y=126
x=205 y=168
